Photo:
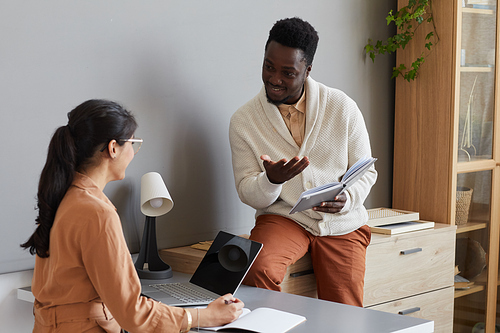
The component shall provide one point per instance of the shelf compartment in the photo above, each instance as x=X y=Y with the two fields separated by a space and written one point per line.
x=479 y=285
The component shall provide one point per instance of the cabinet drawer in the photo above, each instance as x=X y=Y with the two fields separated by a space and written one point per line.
x=434 y=305
x=300 y=279
x=405 y=266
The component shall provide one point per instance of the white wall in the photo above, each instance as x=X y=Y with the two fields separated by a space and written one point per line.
x=16 y=316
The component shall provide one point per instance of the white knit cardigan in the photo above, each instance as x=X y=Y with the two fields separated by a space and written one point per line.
x=335 y=138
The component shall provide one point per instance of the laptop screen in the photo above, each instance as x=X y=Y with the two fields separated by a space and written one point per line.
x=226 y=263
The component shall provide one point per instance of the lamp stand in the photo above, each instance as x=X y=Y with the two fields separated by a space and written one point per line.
x=157 y=269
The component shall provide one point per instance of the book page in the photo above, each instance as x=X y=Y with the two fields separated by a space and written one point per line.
x=358 y=167
x=216 y=328
x=319 y=189
x=264 y=320
x=313 y=197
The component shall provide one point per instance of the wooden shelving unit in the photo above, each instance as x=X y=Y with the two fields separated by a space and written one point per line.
x=447 y=135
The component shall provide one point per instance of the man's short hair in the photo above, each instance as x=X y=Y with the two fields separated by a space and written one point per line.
x=297 y=33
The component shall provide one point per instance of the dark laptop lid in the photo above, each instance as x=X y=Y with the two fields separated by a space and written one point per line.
x=226 y=263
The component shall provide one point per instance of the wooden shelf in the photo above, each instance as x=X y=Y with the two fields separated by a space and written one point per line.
x=471 y=226
x=471 y=290
x=476 y=69
x=476 y=165
x=479 y=285
x=478 y=11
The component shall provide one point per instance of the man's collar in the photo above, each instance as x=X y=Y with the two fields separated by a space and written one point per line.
x=299 y=106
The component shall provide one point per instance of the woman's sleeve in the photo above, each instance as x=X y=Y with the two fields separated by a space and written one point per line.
x=110 y=268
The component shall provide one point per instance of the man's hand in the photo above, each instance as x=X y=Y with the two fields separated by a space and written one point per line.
x=334 y=206
x=283 y=170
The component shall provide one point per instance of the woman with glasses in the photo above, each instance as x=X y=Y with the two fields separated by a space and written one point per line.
x=84 y=278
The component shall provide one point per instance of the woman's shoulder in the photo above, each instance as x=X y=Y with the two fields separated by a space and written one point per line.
x=83 y=207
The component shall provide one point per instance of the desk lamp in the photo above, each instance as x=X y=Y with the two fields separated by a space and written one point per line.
x=155 y=201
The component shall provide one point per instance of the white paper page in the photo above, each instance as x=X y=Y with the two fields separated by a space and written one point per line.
x=265 y=320
x=244 y=313
x=319 y=189
x=357 y=166
x=327 y=192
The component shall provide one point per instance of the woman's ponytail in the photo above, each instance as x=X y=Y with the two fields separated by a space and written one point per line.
x=72 y=148
x=57 y=175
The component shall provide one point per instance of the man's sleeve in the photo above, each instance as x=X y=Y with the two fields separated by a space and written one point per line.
x=252 y=184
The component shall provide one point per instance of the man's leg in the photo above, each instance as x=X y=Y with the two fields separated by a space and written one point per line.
x=339 y=266
x=284 y=243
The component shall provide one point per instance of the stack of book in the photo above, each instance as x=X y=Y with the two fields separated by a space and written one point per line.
x=393 y=221
x=460 y=281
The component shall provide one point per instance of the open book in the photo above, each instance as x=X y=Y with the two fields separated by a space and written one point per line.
x=263 y=320
x=315 y=196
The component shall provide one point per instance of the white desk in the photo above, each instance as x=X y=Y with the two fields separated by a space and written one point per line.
x=322 y=316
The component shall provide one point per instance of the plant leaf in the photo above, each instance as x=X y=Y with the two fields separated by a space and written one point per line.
x=404 y=20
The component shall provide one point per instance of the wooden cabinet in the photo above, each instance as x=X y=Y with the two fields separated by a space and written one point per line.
x=434 y=305
x=300 y=279
x=412 y=274
x=447 y=146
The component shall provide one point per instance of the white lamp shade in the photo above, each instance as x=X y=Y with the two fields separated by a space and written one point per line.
x=153 y=188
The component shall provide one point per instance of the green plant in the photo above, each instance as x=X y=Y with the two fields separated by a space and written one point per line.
x=407 y=20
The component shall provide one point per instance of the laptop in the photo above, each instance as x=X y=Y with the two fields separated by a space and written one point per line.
x=221 y=271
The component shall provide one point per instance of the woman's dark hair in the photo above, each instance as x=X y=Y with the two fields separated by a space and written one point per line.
x=297 y=33
x=91 y=125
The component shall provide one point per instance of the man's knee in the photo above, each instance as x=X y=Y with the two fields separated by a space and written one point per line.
x=264 y=274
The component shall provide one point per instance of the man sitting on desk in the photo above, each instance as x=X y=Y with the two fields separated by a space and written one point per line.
x=293 y=116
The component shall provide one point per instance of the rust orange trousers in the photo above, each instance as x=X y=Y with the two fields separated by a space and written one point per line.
x=338 y=261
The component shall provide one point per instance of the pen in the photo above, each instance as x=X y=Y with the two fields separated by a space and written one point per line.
x=228 y=302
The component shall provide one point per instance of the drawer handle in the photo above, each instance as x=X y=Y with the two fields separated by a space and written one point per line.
x=417 y=249
x=408 y=311
x=306 y=272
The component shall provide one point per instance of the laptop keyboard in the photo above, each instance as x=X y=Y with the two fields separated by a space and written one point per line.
x=183 y=293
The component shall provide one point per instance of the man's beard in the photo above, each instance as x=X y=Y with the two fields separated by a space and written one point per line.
x=284 y=100
x=277 y=103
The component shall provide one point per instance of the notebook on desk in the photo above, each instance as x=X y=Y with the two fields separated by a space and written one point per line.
x=221 y=271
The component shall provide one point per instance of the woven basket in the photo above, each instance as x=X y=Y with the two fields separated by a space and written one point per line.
x=464 y=196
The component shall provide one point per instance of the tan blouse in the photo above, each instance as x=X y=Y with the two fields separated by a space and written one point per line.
x=89 y=262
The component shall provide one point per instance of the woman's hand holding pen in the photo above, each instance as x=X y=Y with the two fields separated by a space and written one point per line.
x=223 y=310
